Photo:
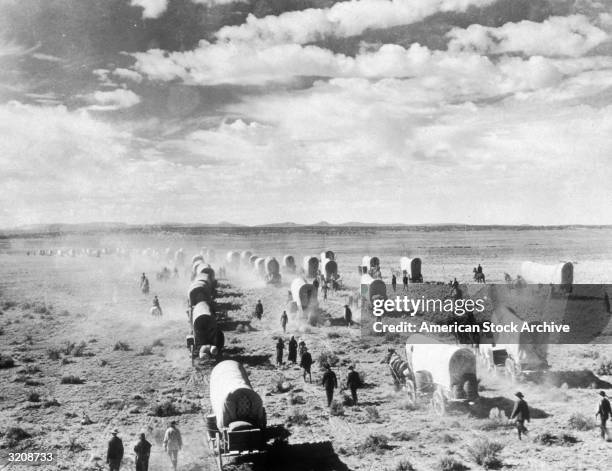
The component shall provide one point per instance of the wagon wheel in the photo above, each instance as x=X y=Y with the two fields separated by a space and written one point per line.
x=511 y=370
x=219 y=457
x=411 y=394
x=438 y=402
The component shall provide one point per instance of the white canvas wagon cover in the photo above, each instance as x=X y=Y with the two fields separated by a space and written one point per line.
x=538 y=273
x=232 y=398
x=448 y=364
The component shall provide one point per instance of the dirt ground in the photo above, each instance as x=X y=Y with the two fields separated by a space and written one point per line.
x=85 y=318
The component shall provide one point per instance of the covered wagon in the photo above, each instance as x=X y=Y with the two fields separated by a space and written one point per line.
x=561 y=274
x=232 y=260
x=260 y=267
x=311 y=266
x=289 y=263
x=446 y=372
x=519 y=354
x=304 y=295
x=210 y=255
x=238 y=421
x=272 y=270
x=201 y=289
x=252 y=260
x=329 y=268
x=372 y=288
x=245 y=255
x=329 y=255
x=412 y=266
x=206 y=337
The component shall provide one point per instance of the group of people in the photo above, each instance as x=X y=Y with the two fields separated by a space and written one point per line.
x=173 y=443
x=329 y=380
x=520 y=414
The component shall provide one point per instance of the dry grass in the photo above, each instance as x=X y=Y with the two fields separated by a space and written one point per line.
x=71 y=379
x=327 y=358
x=296 y=417
x=450 y=463
x=580 y=422
x=402 y=465
x=336 y=408
x=6 y=361
x=33 y=396
x=604 y=368
x=122 y=346
x=14 y=435
x=166 y=408
x=485 y=453
x=375 y=443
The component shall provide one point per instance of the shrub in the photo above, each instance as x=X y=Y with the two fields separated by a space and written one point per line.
x=54 y=353
x=372 y=413
x=74 y=446
x=549 y=439
x=146 y=350
x=122 y=346
x=33 y=396
x=336 y=408
x=333 y=335
x=294 y=399
x=6 y=361
x=448 y=438
x=71 y=379
x=157 y=343
x=166 y=408
x=78 y=350
x=297 y=418
x=485 y=453
x=327 y=358
x=1 y=330
x=402 y=465
x=604 y=368
x=14 y=435
x=578 y=421
x=449 y=463
x=404 y=435
x=279 y=383
x=375 y=443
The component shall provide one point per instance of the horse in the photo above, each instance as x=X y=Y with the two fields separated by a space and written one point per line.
x=507 y=278
x=155 y=311
x=479 y=277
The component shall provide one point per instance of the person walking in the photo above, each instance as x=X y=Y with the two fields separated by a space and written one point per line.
x=293 y=346
x=280 y=346
x=114 y=452
x=353 y=381
x=324 y=288
x=315 y=283
x=259 y=309
x=330 y=382
x=144 y=284
x=306 y=364
x=143 y=452
x=405 y=281
x=348 y=315
x=394 y=282
x=520 y=413
x=604 y=412
x=284 y=319
x=301 y=348
x=173 y=442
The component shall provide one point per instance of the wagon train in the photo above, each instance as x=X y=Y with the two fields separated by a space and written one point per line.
x=206 y=339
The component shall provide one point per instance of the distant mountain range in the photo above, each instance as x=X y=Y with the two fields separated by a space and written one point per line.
x=33 y=229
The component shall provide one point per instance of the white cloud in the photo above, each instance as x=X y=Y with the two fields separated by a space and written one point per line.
x=128 y=74
x=113 y=100
x=151 y=8
x=343 y=19
x=557 y=36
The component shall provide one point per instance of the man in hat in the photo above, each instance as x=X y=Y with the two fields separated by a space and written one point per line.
x=306 y=363
x=259 y=309
x=280 y=346
x=330 y=382
x=520 y=413
x=143 y=451
x=114 y=452
x=353 y=381
x=348 y=315
x=284 y=319
x=604 y=412
x=293 y=346
x=173 y=443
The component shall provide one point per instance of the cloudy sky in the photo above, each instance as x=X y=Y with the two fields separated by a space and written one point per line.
x=256 y=111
